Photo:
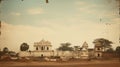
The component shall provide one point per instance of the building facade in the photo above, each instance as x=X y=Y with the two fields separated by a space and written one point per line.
x=84 y=51
x=98 y=49
x=43 y=49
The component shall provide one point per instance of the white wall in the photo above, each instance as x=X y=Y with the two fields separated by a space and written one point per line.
x=40 y=53
x=63 y=53
x=24 y=53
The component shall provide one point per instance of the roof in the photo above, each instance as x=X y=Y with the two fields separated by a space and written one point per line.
x=85 y=45
x=42 y=42
x=84 y=49
x=90 y=49
x=97 y=42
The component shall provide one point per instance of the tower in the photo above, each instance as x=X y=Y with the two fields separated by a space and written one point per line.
x=85 y=45
x=84 y=51
x=98 y=49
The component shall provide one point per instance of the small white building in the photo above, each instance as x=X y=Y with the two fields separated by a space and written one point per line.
x=43 y=49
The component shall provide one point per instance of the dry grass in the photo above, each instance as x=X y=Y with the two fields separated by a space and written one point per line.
x=94 y=63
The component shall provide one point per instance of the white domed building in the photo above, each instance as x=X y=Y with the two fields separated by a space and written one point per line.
x=43 y=49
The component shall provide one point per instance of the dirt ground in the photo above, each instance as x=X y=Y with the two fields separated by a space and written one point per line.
x=95 y=63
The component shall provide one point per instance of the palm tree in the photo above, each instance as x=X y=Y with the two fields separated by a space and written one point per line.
x=65 y=47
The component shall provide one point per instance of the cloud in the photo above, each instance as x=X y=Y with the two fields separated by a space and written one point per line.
x=76 y=33
x=13 y=35
x=93 y=11
x=82 y=3
x=35 y=11
x=115 y=20
x=87 y=8
x=15 y=13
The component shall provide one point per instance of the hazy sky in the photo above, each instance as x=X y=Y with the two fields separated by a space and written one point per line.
x=59 y=21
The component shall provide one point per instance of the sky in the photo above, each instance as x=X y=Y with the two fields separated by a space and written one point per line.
x=58 y=21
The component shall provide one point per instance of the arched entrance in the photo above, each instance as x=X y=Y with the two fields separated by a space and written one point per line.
x=98 y=55
x=41 y=55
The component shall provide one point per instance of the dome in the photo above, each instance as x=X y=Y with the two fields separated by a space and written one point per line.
x=42 y=42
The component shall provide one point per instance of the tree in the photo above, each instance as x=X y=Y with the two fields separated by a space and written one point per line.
x=24 y=47
x=118 y=51
x=76 y=48
x=110 y=50
x=103 y=42
x=5 y=50
x=65 y=47
x=77 y=51
x=1 y=53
